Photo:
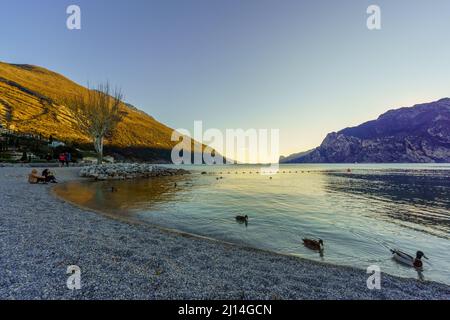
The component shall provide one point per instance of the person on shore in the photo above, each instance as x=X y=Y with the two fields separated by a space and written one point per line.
x=24 y=157
x=62 y=159
x=68 y=156
x=34 y=178
x=48 y=157
x=49 y=176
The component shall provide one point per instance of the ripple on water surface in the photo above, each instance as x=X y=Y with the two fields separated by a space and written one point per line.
x=358 y=214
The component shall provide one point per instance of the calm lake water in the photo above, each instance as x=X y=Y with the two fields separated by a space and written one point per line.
x=359 y=215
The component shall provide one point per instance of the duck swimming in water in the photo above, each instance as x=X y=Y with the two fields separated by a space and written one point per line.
x=313 y=244
x=242 y=218
x=407 y=259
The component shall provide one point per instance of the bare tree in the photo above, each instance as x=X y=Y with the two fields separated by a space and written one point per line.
x=96 y=114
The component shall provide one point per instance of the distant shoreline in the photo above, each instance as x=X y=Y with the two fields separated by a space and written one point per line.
x=41 y=235
x=80 y=165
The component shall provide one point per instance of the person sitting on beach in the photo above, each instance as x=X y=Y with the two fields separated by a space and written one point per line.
x=34 y=178
x=49 y=177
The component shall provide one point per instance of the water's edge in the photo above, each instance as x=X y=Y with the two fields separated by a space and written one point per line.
x=185 y=234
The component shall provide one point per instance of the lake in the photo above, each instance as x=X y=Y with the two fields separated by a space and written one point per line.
x=358 y=214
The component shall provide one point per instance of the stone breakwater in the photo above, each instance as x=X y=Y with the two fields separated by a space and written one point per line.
x=125 y=171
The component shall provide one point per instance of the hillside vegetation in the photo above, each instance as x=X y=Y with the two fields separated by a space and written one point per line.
x=31 y=101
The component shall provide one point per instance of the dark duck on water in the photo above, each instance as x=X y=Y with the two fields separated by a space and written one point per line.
x=242 y=218
x=313 y=244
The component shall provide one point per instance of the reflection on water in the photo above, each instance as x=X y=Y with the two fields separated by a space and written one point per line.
x=415 y=199
x=120 y=198
x=359 y=215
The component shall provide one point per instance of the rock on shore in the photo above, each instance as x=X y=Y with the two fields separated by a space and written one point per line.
x=122 y=171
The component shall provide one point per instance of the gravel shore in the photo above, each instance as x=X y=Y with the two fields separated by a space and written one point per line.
x=40 y=236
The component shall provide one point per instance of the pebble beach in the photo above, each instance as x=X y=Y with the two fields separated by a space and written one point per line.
x=41 y=235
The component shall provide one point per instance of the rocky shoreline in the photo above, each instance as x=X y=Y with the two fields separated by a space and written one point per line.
x=123 y=171
x=40 y=236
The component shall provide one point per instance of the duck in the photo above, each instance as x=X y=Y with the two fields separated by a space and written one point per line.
x=242 y=218
x=407 y=259
x=313 y=244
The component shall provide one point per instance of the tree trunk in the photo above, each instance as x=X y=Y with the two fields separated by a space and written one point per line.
x=98 y=144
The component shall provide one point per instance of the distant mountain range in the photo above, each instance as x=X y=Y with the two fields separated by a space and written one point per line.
x=418 y=134
x=31 y=102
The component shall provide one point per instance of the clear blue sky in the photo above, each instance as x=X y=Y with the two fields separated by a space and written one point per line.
x=305 y=67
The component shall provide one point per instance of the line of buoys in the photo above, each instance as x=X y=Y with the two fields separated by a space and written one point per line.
x=275 y=172
x=251 y=172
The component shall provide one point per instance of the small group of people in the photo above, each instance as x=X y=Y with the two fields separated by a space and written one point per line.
x=46 y=177
x=64 y=158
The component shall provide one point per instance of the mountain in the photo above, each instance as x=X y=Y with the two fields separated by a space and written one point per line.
x=31 y=102
x=293 y=157
x=417 y=134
